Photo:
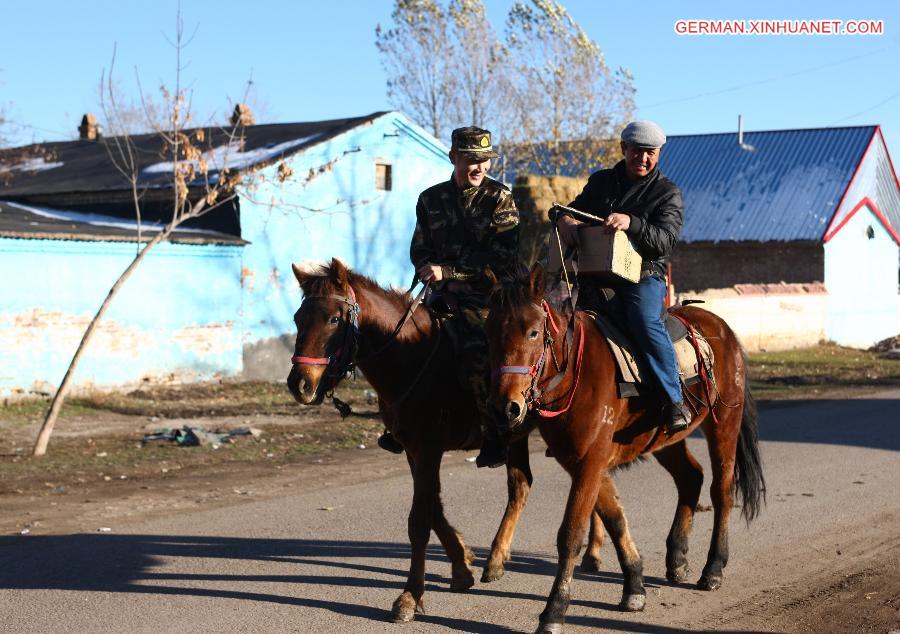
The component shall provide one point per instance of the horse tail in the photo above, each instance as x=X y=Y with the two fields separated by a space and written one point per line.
x=748 y=473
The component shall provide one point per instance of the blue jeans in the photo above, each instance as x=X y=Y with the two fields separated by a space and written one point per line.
x=643 y=304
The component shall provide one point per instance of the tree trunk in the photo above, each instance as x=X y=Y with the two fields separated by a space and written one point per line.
x=43 y=439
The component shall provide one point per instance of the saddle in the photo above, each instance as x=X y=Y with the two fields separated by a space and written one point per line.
x=632 y=373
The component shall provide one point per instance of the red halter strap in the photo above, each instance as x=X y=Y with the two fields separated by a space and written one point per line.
x=311 y=360
x=546 y=413
x=532 y=370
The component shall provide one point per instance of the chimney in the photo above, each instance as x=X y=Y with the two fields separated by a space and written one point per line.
x=242 y=116
x=89 y=130
x=741 y=144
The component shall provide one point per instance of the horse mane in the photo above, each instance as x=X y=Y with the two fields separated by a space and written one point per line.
x=323 y=280
x=512 y=294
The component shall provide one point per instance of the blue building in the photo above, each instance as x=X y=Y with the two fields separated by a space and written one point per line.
x=217 y=300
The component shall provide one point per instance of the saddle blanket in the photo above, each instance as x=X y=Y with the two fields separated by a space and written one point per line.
x=631 y=372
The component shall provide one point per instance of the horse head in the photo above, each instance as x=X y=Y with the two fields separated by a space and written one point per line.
x=519 y=330
x=327 y=325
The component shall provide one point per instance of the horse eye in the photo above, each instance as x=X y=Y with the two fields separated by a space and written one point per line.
x=334 y=320
x=533 y=334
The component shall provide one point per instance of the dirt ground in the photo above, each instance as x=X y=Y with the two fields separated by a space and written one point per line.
x=98 y=472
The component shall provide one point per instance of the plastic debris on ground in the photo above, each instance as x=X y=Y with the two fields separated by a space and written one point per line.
x=188 y=436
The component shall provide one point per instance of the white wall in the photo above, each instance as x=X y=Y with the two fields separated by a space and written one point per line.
x=768 y=321
x=861 y=278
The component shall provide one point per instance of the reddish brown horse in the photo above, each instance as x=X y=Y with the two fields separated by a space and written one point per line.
x=345 y=315
x=591 y=431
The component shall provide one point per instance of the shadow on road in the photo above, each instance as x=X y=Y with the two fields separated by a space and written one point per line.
x=144 y=564
x=858 y=422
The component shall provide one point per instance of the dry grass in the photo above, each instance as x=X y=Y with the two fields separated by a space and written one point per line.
x=818 y=370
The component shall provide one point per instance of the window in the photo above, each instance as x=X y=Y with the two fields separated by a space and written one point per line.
x=383 y=177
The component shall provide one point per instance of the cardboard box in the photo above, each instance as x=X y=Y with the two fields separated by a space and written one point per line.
x=602 y=254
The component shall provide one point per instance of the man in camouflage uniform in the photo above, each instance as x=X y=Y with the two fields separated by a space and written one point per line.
x=466 y=226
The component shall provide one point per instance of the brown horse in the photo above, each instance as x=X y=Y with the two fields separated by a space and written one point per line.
x=591 y=431
x=346 y=317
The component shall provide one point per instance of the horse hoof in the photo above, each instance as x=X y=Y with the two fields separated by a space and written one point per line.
x=678 y=575
x=590 y=564
x=491 y=573
x=462 y=582
x=549 y=628
x=633 y=602
x=710 y=582
x=404 y=609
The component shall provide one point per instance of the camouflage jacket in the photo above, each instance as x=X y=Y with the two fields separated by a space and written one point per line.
x=466 y=231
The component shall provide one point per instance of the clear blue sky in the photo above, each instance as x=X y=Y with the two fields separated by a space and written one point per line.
x=317 y=60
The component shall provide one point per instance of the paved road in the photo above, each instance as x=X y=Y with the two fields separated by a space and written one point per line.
x=287 y=565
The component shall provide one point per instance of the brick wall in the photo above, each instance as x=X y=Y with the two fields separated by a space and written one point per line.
x=700 y=266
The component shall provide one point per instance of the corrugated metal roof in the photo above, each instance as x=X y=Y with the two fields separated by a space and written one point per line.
x=782 y=185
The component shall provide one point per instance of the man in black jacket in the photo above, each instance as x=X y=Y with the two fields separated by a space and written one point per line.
x=634 y=197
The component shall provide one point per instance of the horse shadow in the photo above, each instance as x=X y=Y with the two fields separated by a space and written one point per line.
x=137 y=564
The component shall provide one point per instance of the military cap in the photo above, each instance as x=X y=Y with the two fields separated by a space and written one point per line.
x=643 y=134
x=473 y=143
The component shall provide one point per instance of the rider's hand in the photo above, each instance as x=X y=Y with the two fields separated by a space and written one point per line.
x=430 y=273
x=568 y=230
x=618 y=222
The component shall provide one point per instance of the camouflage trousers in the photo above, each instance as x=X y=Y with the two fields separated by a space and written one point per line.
x=466 y=329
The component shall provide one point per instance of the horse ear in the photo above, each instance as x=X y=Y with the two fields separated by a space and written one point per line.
x=537 y=281
x=302 y=274
x=340 y=273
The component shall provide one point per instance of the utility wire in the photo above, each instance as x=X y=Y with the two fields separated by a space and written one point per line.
x=764 y=81
x=869 y=109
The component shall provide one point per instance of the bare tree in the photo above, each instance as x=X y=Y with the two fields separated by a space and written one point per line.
x=4 y=124
x=416 y=55
x=198 y=187
x=566 y=103
x=479 y=62
x=125 y=115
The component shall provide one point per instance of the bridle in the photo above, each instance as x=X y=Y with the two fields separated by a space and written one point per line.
x=534 y=393
x=344 y=362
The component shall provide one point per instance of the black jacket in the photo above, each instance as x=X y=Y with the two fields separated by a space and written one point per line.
x=654 y=204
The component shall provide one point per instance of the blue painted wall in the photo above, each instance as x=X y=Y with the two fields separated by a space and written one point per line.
x=861 y=279
x=336 y=213
x=176 y=318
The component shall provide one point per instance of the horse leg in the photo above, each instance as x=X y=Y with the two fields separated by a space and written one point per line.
x=722 y=446
x=634 y=595
x=569 y=539
x=459 y=554
x=688 y=476
x=591 y=560
x=518 y=484
x=425 y=465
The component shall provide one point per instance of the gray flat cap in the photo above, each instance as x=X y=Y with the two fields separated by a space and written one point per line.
x=643 y=134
